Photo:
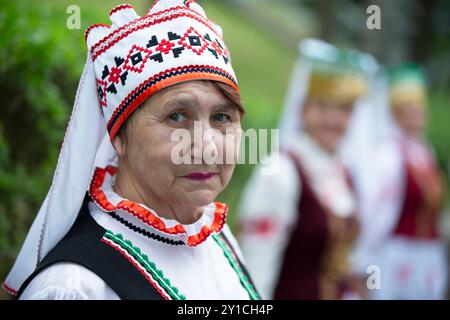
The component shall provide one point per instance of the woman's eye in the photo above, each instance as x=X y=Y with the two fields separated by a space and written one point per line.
x=176 y=117
x=221 y=117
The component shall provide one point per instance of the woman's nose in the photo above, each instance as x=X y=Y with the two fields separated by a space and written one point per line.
x=204 y=142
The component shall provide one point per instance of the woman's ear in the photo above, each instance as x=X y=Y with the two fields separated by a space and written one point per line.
x=119 y=144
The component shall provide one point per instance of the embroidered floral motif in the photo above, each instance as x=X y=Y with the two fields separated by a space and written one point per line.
x=137 y=56
x=155 y=49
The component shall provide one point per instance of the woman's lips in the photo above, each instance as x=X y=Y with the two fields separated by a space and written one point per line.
x=200 y=176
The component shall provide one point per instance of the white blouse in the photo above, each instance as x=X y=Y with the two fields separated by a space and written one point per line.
x=197 y=265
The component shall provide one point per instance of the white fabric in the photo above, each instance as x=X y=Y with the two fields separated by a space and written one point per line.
x=380 y=185
x=291 y=118
x=276 y=197
x=68 y=281
x=272 y=198
x=370 y=124
x=87 y=143
x=412 y=269
x=71 y=179
x=200 y=272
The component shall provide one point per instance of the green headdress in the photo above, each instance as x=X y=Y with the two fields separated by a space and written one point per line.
x=407 y=85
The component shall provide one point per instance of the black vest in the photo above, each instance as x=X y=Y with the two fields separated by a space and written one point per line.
x=82 y=246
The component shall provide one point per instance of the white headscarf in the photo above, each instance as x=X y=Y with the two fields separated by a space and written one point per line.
x=128 y=61
x=86 y=145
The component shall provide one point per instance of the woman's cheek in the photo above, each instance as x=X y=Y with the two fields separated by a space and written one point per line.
x=226 y=173
x=230 y=146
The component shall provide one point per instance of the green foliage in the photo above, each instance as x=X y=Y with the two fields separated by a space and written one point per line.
x=439 y=130
x=39 y=70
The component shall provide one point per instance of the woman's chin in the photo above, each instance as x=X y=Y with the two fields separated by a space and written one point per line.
x=200 y=198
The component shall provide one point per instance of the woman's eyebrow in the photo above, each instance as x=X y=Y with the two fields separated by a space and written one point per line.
x=225 y=106
x=182 y=100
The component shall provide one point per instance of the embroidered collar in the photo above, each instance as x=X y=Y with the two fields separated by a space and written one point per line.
x=211 y=221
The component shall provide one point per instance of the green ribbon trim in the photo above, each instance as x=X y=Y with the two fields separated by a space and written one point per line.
x=144 y=261
x=236 y=266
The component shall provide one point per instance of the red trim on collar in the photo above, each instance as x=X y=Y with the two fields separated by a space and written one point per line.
x=149 y=217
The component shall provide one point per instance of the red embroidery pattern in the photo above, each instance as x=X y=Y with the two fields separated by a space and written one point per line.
x=144 y=22
x=193 y=41
x=101 y=90
x=136 y=58
x=162 y=80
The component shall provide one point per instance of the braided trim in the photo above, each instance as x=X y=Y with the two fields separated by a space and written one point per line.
x=145 y=22
x=146 y=233
x=157 y=82
x=120 y=7
x=96 y=25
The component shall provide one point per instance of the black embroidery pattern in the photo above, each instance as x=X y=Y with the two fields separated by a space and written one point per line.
x=155 y=80
x=146 y=233
x=155 y=50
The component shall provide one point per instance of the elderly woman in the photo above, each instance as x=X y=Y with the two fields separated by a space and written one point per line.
x=124 y=218
x=298 y=223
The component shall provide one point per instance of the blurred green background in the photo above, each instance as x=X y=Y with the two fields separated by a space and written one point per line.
x=41 y=61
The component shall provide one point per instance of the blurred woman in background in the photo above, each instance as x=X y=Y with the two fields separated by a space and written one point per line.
x=298 y=223
x=409 y=195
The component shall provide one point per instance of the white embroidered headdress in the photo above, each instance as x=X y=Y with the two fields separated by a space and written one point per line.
x=127 y=62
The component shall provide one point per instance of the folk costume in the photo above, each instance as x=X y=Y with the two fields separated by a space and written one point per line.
x=402 y=228
x=298 y=223
x=87 y=242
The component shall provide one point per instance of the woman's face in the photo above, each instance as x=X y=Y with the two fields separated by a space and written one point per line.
x=153 y=148
x=326 y=122
x=411 y=118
